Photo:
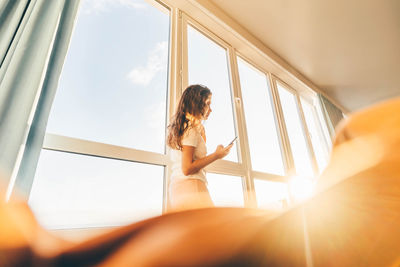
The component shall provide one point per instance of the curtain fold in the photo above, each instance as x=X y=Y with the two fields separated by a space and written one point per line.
x=11 y=15
x=14 y=16
x=332 y=114
x=30 y=79
x=37 y=131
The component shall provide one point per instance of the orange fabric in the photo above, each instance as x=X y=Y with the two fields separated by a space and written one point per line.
x=353 y=220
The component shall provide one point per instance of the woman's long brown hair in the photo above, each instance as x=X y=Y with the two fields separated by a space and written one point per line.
x=192 y=102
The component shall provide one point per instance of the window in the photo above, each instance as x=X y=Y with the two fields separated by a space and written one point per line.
x=301 y=157
x=103 y=162
x=324 y=126
x=76 y=191
x=225 y=190
x=112 y=97
x=316 y=135
x=264 y=146
x=113 y=86
x=207 y=65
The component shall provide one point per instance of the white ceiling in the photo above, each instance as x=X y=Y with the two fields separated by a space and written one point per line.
x=350 y=49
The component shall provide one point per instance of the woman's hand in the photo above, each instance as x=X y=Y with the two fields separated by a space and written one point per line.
x=222 y=151
x=190 y=166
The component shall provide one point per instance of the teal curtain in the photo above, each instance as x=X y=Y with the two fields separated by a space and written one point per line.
x=332 y=114
x=38 y=36
x=11 y=14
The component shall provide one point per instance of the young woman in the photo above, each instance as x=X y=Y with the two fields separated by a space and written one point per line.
x=187 y=138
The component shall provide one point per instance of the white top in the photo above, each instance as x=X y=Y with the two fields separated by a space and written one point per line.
x=192 y=137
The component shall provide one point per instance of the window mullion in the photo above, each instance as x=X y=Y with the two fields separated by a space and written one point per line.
x=91 y=148
x=306 y=133
x=184 y=55
x=244 y=150
x=281 y=125
x=173 y=85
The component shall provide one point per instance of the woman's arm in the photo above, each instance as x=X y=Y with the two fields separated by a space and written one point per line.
x=190 y=166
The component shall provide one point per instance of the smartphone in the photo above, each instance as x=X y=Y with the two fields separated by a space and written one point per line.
x=232 y=141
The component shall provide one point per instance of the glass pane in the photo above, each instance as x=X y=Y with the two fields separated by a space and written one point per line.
x=324 y=126
x=113 y=86
x=265 y=151
x=294 y=128
x=225 y=190
x=271 y=195
x=207 y=64
x=314 y=129
x=76 y=191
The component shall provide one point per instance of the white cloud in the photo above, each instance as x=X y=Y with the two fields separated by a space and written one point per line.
x=157 y=61
x=98 y=6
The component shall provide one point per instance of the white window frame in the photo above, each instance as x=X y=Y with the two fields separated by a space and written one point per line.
x=303 y=123
x=90 y=148
x=321 y=130
x=279 y=127
x=183 y=13
x=221 y=166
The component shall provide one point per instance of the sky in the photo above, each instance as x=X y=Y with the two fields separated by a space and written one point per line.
x=113 y=90
x=260 y=121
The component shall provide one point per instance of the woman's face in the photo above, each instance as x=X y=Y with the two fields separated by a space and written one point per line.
x=207 y=108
